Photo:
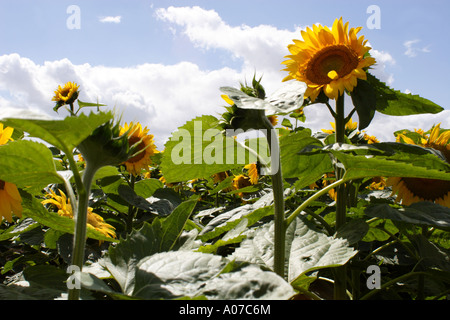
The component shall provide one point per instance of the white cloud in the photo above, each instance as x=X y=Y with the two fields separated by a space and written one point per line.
x=164 y=97
x=110 y=19
x=261 y=48
x=383 y=59
x=412 y=50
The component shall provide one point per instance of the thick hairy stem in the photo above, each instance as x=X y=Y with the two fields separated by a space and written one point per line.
x=340 y=283
x=80 y=224
x=278 y=195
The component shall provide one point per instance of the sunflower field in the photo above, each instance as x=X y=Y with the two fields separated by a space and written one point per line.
x=90 y=208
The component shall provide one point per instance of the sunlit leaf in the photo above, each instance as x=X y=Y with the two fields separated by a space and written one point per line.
x=396 y=103
x=171 y=275
x=286 y=99
x=307 y=168
x=63 y=134
x=28 y=164
x=198 y=149
x=159 y=236
x=306 y=249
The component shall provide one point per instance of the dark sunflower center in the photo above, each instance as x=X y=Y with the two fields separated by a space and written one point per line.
x=65 y=92
x=2 y=184
x=140 y=147
x=427 y=189
x=338 y=58
x=243 y=182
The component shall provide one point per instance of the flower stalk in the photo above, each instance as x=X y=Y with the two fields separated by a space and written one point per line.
x=341 y=208
x=79 y=242
x=278 y=198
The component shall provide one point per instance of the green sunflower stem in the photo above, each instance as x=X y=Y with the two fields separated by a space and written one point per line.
x=278 y=197
x=79 y=242
x=340 y=272
x=339 y=171
x=131 y=210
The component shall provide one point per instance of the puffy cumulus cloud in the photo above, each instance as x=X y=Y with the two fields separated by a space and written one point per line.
x=164 y=97
x=161 y=97
x=384 y=60
x=261 y=48
x=384 y=126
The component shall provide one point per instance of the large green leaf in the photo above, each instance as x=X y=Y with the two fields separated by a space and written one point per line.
x=159 y=236
x=171 y=275
x=63 y=134
x=28 y=164
x=357 y=167
x=307 y=168
x=228 y=219
x=364 y=100
x=387 y=159
x=44 y=282
x=396 y=103
x=198 y=149
x=422 y=213
x=306 y=249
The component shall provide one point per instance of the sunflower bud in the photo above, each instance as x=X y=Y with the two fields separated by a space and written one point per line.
x=105 y=146
x=245 y=119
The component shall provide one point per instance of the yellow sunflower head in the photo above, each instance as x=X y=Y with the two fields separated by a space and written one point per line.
x=10 y=201
x=5 y=134
x=145 y=147
x=411 y=190
x=349 y=127
x=252 y=172
x=67 y=94
x=60 y=202
x=329 y=60
x=241 y=181
x=64 y=209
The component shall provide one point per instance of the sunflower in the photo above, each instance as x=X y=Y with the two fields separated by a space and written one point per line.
x=273 y=120
x=411 y=190
x=370 y=139
x=64 y=207
x=5 y=134
x=326 y=59
x=349 y=127
x=252 y=172
x=10 y=200
x=240 y=182
x=67 y=94
x=145 y=148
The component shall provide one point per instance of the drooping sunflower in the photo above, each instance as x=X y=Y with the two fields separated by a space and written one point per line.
x=66 y=94
x=252 y=172
x=145 y=148
x=240 y=182
x=5 y=134
x=411 y=190
x=328 y=60
x=10 y=200
x=64 y=209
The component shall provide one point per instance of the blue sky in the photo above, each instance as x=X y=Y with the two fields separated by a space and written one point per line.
x=161 y=60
